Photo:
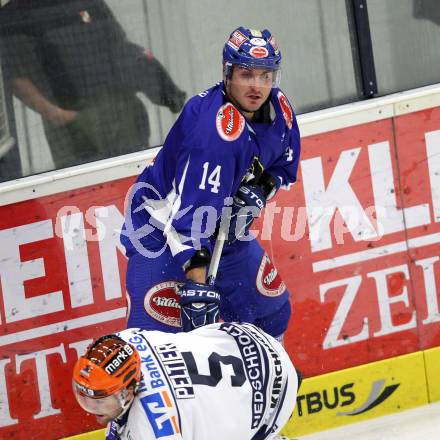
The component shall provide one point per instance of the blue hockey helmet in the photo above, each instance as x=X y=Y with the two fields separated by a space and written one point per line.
x=251 y=48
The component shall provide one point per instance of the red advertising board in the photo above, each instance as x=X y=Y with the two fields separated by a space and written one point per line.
x=62 y=276
x=363 y=263
x=355 y=240
x=418 y=140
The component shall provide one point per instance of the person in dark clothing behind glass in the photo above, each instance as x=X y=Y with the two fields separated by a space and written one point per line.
x=10 y=165
x=427 y=9
x=71 y=61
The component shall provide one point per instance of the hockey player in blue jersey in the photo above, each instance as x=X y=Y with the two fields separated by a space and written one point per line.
x=231 y=149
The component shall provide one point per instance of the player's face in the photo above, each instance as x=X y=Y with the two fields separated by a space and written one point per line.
x=249 y=88
x=105 y=417
x=106 y=408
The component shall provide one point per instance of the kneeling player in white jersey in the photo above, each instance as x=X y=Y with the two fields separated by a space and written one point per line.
x=224 y=381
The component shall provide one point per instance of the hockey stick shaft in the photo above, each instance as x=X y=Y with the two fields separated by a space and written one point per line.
x=217 y=252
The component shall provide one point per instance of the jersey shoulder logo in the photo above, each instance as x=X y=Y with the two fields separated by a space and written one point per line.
x=286 y=109
x=269 y=282
x=230 y=122
x=161 y=302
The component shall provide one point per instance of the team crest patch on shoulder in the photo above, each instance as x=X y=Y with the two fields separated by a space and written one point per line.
x=230 y=122
x=286 y=109
x=161 y=302
x=269 y=282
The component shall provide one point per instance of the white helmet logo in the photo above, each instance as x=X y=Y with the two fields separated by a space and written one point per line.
x=258 y=42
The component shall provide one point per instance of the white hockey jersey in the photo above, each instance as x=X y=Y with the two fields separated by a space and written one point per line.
x=224 y=381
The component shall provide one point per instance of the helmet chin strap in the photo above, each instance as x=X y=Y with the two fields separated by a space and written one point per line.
x=125 y=403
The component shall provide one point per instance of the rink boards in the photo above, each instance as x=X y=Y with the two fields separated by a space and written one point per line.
x=365 y=392
x=356 y=241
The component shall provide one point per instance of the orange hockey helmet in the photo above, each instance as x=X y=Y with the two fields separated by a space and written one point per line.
x=109 y=365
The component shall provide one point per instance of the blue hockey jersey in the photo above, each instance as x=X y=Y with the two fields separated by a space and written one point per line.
x=211 y=149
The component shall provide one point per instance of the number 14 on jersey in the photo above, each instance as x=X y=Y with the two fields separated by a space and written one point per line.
x=213 y=179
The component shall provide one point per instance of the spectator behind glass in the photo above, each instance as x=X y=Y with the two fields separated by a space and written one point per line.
x=427 y=9
x=10 y=166
x=70 y=61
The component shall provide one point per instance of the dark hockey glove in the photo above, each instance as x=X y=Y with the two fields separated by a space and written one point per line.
x=199 y=305
x=247 y=205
